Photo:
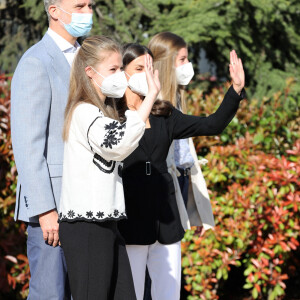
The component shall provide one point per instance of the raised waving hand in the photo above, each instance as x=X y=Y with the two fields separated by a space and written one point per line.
x=237 y=73
x=152 y=77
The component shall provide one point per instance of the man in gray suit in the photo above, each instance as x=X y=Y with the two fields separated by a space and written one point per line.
x=39 y=95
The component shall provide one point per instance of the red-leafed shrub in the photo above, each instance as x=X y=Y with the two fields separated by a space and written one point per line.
x=253 y=178
x=255 y=192
x=257 y=221
x=14 y=270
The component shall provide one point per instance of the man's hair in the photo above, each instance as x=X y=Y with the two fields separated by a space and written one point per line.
x=47 y=3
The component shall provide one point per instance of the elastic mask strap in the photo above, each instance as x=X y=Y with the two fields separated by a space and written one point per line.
x=96 y=82
x=97 y=72
x=64 y=11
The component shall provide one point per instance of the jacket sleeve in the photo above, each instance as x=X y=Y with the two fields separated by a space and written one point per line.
x=108 y=137
x=184 y=126
x=30 y=108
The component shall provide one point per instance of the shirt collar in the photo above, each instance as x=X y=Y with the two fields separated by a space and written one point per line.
x=63 y=44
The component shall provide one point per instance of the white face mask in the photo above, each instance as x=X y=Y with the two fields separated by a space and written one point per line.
x=184 y=73
x=138 y=83
x=114 y=85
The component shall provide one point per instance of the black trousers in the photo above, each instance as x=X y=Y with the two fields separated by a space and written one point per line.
x=184 y=181
x=97 y=261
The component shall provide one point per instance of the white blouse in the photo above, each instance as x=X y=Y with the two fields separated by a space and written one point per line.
x=92 y=188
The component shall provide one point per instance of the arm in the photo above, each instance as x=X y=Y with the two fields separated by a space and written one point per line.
x=185 y=126
x=107 y=137
x=30 y=108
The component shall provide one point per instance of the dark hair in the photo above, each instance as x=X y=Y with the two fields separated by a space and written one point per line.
x=131 y=51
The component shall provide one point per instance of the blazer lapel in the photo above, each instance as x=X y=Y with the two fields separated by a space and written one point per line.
x=59 y=62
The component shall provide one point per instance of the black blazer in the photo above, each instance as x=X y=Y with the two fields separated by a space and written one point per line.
x=148 y=187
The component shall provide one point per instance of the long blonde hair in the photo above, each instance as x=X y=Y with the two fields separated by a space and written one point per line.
x=92 y=52
x=165 y=47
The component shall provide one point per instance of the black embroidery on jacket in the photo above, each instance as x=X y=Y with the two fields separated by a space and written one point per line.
x=87 y=134
x=71 y=214
x=111 y=126
x=104 y=165
x=100 y=214
x=91 y=216
x=113 y=136
x=120 y=169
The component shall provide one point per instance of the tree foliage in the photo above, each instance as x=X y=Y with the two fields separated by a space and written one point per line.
x=21 y=26
x=264 y=33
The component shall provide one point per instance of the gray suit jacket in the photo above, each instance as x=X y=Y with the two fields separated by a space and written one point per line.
x=39 y=93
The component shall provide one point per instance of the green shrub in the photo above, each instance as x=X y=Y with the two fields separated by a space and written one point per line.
x=273 y=121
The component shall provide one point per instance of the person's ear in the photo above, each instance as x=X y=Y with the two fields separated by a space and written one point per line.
x=89 y=71
x=54 y=12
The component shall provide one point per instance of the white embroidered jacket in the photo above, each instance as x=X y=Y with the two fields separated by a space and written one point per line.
x=92 y=187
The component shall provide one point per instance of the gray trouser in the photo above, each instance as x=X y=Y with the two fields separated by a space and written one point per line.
x=47 y=268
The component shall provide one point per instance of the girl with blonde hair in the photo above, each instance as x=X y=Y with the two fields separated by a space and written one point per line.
x=175 y=72
x=96 y=143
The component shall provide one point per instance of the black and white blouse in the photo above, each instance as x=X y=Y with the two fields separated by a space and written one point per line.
x=92 y=188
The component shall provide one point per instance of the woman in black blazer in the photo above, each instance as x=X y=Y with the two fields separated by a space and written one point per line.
x=153 y=228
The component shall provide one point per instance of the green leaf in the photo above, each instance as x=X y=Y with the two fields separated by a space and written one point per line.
x=258 y=138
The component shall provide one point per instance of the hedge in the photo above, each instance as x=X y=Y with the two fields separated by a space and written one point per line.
x=253 y=179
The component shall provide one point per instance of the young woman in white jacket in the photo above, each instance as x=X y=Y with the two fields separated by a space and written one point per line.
x=96 y=143
x=175 y=71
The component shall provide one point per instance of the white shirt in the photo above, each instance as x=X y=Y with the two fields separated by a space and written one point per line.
x=67 y=48
x=92 y=187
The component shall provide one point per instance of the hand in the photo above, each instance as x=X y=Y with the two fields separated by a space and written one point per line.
x=237 y=73
x=200 y=230
x=49 y=226
x=152 y=77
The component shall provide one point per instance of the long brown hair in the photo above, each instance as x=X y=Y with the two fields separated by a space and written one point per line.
x=165 y=47
x=132 y=51
x=93 y=51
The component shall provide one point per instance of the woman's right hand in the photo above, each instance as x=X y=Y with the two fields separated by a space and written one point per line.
x=236 y=72
x=153 y=89
x=152 y=77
